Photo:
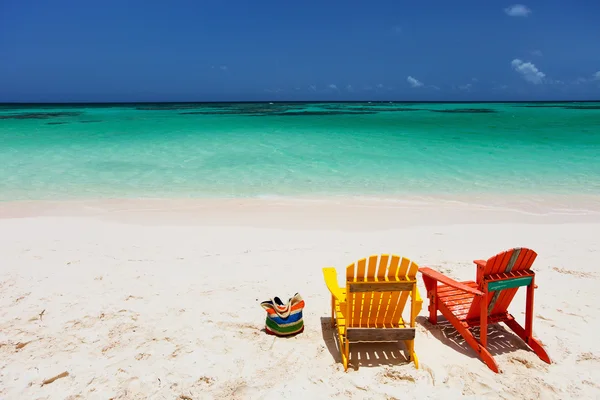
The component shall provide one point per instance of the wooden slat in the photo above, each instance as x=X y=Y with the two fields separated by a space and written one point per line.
x=521 y=262
x=491 y=264
x=388 y=299
x=528 y=261
x=368 y=308
x=380 y=286
x=360 y=269
x=500 y=265
x=383 y=265
x=351 y=273
x=413 y=268
x=399 y=299
x=372 y=268
x=455 y=297
x=444 y=290
x=503 y=301
x=357 y=298
x=379 y=298
x=400 y=307
x=393 y=269
x=462 y=316
x=380 y=335
x=509 y=275
x=454 y=294
x=403 y=268
x=384 y=303
x=456 y=302
x=460 y=308
x=350 y=277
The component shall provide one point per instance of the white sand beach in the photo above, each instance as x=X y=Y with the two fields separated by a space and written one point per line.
x=157 y=299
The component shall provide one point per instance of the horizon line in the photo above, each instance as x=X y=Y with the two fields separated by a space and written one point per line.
x=292 y=101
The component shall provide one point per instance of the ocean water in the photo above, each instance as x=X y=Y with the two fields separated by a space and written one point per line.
x=298 y=149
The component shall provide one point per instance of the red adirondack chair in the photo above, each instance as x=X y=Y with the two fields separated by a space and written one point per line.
x=469 y=304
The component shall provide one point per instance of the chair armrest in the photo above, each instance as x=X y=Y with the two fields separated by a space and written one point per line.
x=480 y=263
x=428 y=272
x=331 y=281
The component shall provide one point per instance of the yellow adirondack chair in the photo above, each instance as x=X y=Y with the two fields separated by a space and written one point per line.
x=369 y=308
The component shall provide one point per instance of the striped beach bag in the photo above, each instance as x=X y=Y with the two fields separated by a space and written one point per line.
x=284 y=319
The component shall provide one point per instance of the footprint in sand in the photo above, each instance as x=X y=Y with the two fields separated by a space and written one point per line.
x=395 y=375
x=587 y=357
x=522 y=361
x=579 y=274
x=590 y=383
x=237 y=389
x=142 y=356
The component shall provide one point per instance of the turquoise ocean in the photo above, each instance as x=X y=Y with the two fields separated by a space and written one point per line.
x=379 y=149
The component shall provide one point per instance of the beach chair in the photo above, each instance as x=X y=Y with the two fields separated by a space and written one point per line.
x=470 y=304
x=369 y=308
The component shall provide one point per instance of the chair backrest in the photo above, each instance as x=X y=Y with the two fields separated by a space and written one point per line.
x=503 y=274
x=377 y=289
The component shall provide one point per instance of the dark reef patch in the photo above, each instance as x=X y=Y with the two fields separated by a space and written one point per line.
x=46 y=115
x=581 y=107
x=467 y=111
x=562 y=106
x=329 y=112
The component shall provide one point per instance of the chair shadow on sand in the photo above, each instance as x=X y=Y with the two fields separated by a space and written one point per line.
x=364 y=354
x=500 y=340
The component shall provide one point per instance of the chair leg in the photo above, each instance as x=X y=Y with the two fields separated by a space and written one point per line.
x=346 y=354
x=431 y=286
x=433 y=306
x=532 y=342
x=412 y=356
x=483 y=353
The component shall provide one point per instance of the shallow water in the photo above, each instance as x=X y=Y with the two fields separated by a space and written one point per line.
x=294 y=149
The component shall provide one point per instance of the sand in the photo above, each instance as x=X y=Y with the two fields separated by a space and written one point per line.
x=139 y=299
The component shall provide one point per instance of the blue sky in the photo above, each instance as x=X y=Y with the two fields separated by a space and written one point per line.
x=149 y=50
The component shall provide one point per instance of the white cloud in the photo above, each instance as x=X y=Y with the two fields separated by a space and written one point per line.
x=350 y=88
x=529 y=71
x=517 y=10
x=467 y=87
x=223 y=68
x=379 y=86
x=414 y=82
x=537 y=53
x=597 y=76
x=332 y=86
x=312 y=88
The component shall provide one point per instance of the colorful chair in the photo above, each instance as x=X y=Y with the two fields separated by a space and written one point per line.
x=369 y=308
x=485 y=301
